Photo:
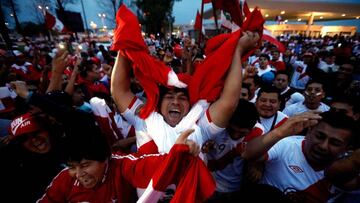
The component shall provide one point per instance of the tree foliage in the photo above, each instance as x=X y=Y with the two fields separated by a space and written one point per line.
x=156 y=14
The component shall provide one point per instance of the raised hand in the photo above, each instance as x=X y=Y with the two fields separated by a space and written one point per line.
x=298 y=123
x=248 y=41
x=20 y=88
x=194 y=148
x=60 y=61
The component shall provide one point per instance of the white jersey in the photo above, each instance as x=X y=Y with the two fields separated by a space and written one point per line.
x=287 y=169
x=155 y=128
x=269 y=123
x=300 y=107
x=294 y=97
x=229 y=178
x=328 y=68
x=299 y=78
x=263 y=71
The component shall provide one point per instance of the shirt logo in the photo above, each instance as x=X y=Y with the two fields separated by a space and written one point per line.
x=296 y=169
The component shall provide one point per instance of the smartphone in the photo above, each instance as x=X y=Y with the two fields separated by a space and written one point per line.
x=192 y=41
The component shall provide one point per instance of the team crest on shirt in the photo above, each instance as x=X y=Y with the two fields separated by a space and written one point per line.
x=296 y=169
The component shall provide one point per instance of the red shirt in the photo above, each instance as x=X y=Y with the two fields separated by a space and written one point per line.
x=124 y=172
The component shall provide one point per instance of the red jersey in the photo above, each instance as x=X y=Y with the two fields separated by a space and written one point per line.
x=124 y=172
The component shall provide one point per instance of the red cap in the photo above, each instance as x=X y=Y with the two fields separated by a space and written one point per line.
x=23 y=124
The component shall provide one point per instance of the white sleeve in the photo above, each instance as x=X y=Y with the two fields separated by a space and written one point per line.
x=295 y=98
x=287 y=111
x=208 y=129
x=130 y=113
x=277 y=151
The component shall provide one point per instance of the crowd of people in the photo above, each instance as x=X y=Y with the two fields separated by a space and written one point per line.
x=77 y=123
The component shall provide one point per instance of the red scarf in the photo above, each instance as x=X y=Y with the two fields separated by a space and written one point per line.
x=208 y=79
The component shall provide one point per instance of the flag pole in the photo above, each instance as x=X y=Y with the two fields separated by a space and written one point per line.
x=215 y=17
x=201 y=22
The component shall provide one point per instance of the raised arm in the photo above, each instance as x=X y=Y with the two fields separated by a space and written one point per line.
x=70 y=85
x=222 y=109
x=58 y=67
x=120 y=83
x=258 y=147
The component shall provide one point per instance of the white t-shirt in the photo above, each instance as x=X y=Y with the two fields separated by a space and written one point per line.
x=328 y=68
x=294 y=98
x=229 y=178
x=300 y=107
x=268 y=122
x=155 y=128
x=287 y=169
x=263 y=71
x=299 y=78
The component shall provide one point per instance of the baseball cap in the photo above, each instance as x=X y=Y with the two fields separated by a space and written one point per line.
x=22 y=125
x=308 y=54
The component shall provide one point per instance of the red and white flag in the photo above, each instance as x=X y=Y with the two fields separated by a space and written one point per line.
x=272 y=39
x=54 y=23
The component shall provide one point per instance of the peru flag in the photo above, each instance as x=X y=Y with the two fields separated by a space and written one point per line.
x=194 y=183
x=272 y=39
x=54 y=23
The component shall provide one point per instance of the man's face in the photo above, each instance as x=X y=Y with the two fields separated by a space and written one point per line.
x=324 y=143
x=314 y=93
x=94 y=74
x=267 y=104
x=251 y=83
x=307 y=59
x=263 y=62
x=287 y=53
x=236 y=132
x=78 y=97
x=345 y=71
x=244 y=94
x=329 y=60
x=174 y=106
x=275 y=56
x=38 y=142
x=88 y=172
x=281 y=82
x=344 y=108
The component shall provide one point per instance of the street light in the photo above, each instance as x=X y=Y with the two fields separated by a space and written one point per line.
x=102 y=16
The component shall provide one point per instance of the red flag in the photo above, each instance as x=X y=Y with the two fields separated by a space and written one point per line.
x=208 y=79
x=272 y=39
x=54 y=23
x=197 y=25
x=149 y=71
x=194 y=183
x=245 y=8
x=206 y=1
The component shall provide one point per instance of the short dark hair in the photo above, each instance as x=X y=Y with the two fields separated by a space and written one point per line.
x=164 y=90
x=354 y=102
x=91 y=144
x=338 y=120
x=315 y=81
x=269 y=89
x=265 y=56
x=282 y=72
x=86 y=66
x=245 y=115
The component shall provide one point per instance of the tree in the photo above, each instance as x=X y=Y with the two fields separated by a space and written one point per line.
x=4 y=30
x=61 y=4
x=14 y=8
x=156 y=14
